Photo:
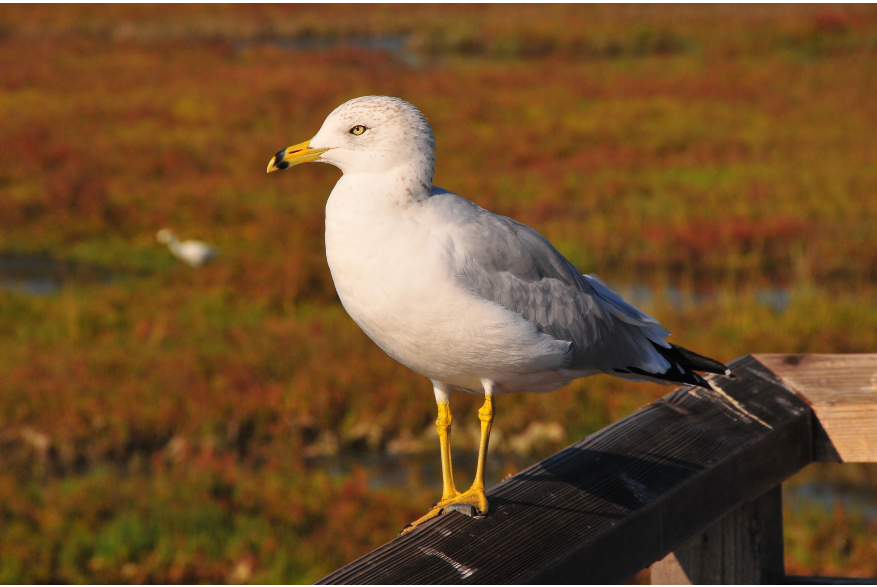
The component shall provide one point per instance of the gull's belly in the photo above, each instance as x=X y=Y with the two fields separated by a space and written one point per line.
x=399 y=286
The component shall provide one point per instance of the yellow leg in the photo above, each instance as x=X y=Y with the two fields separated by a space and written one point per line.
x=475 y=496
x=449 y=489
x=443 y=426
x=485 y=414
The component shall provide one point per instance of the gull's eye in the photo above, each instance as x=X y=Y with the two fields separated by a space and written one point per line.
x=357 y=130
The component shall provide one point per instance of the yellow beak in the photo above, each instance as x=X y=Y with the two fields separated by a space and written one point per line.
x=300 y=153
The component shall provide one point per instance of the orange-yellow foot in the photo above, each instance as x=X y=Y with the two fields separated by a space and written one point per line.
x=474 y=497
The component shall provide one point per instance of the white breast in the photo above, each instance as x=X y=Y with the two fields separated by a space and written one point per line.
x=396 y=278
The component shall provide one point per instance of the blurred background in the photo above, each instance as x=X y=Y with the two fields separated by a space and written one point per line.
x=230 y=423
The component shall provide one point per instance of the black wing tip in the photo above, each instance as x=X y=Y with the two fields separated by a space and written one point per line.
x=691 y=360
x=683 y=364
x=674 y=374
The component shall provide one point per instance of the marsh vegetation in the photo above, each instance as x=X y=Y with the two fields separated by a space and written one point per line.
x=164 y=424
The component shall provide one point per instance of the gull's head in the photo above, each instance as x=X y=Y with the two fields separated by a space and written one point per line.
x=373 y=134
x=165 y=235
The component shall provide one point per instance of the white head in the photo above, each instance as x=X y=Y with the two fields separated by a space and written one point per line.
x=372 y=134
x=165 y=236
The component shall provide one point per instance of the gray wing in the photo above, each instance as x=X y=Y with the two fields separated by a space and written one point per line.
x=514 y=266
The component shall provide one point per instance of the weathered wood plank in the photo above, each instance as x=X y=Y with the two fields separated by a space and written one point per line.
x=654 y=480
x=842 y=390
x=745 y=547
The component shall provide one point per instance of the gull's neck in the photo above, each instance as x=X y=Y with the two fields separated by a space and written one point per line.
x=173 y=243
x=399 y=187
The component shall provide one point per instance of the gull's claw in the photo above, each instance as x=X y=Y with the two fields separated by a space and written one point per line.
x=474 y=498
x=436 y=510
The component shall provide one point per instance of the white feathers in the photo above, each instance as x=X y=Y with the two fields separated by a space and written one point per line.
x=398 y=142
x=452 y=291
x=193 y=253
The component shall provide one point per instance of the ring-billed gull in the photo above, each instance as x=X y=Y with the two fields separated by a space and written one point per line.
x=474 y=301
x=193 y=253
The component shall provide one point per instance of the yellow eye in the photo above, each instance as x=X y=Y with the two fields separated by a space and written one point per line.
x=357 y=130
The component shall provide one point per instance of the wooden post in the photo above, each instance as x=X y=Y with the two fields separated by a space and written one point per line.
x=743 y=548
x=842 y=390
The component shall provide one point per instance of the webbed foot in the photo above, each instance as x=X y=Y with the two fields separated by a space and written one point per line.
x=474 y=497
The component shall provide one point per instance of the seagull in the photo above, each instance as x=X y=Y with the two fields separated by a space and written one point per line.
x=474 y=301
x=193 y=253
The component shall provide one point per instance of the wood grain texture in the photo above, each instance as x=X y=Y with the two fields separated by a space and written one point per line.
x=745 y=547
x=619 y=500
x=842 y=390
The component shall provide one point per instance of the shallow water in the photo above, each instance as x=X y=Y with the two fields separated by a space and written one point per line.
x=385 y=470
x=827 y=496
x=35 y=286
x=395 y=45
x=42 y=276
x=777 y=298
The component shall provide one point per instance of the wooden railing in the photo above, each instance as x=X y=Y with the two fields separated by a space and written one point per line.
x=689 y=484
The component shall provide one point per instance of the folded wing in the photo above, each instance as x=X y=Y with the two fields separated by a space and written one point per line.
x=510 y=264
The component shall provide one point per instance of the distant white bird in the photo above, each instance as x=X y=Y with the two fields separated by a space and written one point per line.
x=474 y=301
x=193 y=253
